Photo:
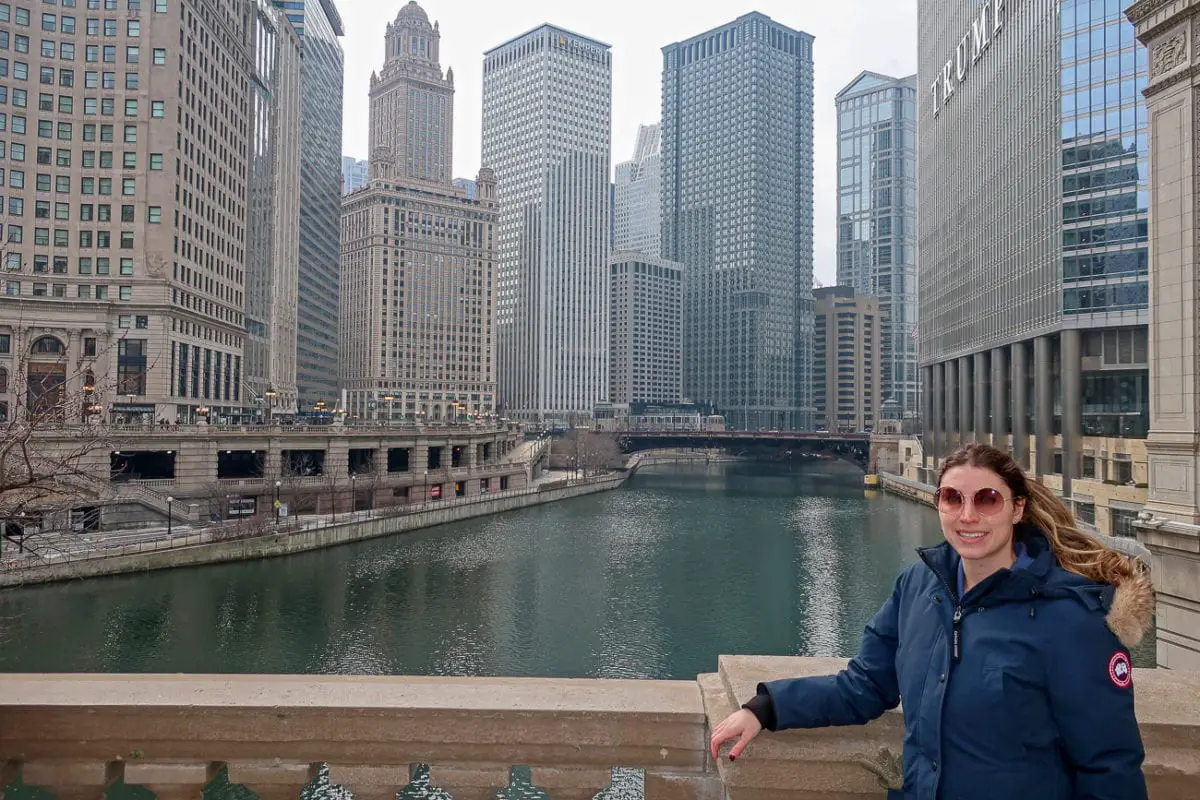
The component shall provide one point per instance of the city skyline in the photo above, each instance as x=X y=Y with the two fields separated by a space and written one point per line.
x=886 y=34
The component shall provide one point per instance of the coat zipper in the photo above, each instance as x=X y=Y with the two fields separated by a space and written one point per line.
x=956 y=626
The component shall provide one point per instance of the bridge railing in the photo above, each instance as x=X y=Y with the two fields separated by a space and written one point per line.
x=76 y=735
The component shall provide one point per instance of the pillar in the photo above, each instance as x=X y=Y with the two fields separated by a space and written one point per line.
x=928 y=421
x=1173 y=448
x=1020 y=404
x=1000 y=398
x=951 y=407
x=965 y=387
x=1072 y=389
x=981 y=407
x=1043 y=388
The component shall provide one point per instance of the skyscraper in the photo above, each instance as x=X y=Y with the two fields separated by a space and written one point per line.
x=1033 y=243
x=273 y=228
x=319 y=26
x=131 y=273
x=418 y=295
x=547 y=100
x=354 y=174
x=877 y=222
x=846 y=360
x=645 y=330
x=637 y=201
x=737 y=150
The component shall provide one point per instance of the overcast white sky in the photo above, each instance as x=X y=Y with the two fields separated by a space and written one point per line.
x=851 y=36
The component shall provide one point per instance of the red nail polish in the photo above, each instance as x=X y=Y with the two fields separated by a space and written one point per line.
x=732 y=757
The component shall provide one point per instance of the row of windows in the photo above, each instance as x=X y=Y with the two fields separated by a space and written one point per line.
x=22 y=15
x=1127 y=262
x=1105 y=298
x=85 y=265
x=102 y=240
x=1104 y=207
x=83 y=291
x=62 y=157
x=1113 y=233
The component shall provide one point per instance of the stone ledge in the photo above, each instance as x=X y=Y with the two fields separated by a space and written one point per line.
x=1168 y=708
x=370 y=730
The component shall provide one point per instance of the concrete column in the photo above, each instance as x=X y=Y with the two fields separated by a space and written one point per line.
x=951 y=407
x=1020 y=413
x=980 y=391
x=927 y=422
x=965 y=428
x=1000 y=398
x=1043 y=387
x=937 y=392
x=1173 y=447
x=1072 y=389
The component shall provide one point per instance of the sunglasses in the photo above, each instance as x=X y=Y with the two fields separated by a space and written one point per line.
x=986 y=501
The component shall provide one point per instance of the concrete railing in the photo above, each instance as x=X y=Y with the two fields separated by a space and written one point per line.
x=74 y=735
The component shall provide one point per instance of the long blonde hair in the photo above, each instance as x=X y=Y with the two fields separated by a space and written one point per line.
x=1075 y=550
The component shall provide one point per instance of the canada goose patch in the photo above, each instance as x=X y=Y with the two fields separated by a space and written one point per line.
x=1119 y=670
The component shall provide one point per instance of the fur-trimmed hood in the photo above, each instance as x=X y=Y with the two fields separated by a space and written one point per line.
x=1131 y=609
x=1128 y=605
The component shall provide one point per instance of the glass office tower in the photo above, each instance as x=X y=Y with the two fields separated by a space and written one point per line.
x=877 y=223
x=1033 y=242
x=737 y=188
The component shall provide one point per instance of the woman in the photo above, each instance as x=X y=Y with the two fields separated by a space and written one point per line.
x=1014 y=686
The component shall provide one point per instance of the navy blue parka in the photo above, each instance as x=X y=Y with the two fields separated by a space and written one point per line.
x=1035 y=702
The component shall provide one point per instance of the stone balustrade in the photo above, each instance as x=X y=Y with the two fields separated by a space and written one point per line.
x=76 y=735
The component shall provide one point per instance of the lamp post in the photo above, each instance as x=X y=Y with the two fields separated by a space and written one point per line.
x=170 y=502
x=276 y=502
x=269 y=395
x=353 y=494
x=387 y=398
x=425 y=488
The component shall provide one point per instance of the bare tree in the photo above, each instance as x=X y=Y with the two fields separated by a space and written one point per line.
x=589 y=451
x=54 y=443
x=598 y=452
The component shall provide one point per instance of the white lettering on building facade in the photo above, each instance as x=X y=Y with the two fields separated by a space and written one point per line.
x=974 y=43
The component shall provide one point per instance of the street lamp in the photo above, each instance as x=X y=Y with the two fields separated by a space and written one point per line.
x=269 y=394
x=387 y=398
x=276 y=502
x=425 y=488
x=353 y=494
x=170 y=502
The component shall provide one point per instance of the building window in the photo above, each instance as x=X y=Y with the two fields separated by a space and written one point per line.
x=131 y=366
x=1123 y=523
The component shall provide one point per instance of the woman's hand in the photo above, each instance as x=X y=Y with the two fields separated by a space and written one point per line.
x=741 y=725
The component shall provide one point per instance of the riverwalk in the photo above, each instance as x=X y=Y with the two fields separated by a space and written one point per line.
x=69 y=555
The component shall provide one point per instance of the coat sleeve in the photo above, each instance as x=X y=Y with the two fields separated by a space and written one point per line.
x=856 y=695
x=1090 y=683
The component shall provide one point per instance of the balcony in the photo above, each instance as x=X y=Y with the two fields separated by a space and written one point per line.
x=76 y=735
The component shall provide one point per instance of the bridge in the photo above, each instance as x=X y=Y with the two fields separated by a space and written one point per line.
x=860 y=449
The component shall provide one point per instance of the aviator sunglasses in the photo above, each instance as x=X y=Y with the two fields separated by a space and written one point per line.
x=986 y=501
